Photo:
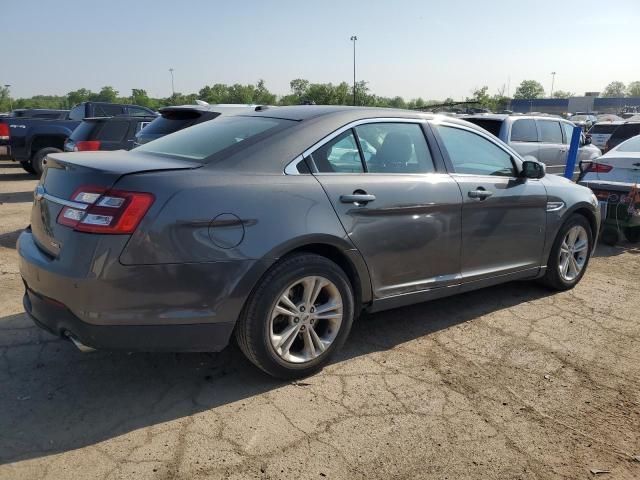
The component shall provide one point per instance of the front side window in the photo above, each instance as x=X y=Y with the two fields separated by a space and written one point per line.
x=340 y=155
x=101 y=110
x=473 y=154
x=394 y=148
x=77 y=112
x=139 y=112
x=568 y=132
x=550 y=131
x=524 y=131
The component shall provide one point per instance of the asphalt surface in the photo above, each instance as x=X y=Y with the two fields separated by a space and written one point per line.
x=511 y=382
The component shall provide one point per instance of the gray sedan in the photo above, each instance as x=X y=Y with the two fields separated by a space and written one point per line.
x=279 y=227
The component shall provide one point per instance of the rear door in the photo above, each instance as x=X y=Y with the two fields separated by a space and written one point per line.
x=553 y=150
x=401 y=212
x=523 y=138
x=503 y=215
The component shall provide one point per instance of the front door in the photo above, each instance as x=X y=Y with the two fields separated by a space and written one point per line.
x=503 y=216
x=401 y=214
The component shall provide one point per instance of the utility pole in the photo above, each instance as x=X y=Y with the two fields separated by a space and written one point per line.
x=353 y=39
x=173 y=90
x=553 y=79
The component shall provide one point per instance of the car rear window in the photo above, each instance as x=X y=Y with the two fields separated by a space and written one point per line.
x=173 y=121
x=631 y=145
x=603 y=128
x=202 y=141
x=113 y=130
x=625 y=131
x=490 y=125
x=85 y=131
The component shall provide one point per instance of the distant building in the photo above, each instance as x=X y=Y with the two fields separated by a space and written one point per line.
x=588 y=103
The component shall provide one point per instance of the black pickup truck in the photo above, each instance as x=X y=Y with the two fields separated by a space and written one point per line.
x=30 y=140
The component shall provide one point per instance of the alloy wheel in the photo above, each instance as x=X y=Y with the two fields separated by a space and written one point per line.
x=574 y=252
x=305 y=319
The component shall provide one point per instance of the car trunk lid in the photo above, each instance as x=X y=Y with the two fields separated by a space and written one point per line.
x=618 y=167
x=65 y=173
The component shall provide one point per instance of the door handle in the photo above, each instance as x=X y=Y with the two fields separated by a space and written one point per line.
x=357 y=198
x=480 y=194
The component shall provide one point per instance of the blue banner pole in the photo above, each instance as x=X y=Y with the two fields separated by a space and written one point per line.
x=572 y=156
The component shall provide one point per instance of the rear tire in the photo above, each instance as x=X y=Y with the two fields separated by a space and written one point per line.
x=38 y=158
x=570 y=254
x=299 y=344
x=27 y=167
x=632 y=234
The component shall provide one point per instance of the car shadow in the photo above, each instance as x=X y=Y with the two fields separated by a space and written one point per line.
x=7 y=177
x=55 y=399
x=16 y=197
x=605 y=251
x=9 y=239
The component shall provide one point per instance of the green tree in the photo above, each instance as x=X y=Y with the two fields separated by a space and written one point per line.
x=481 y=96
x=78 y=96
x=562 y=94
x=299 y=87
x=262 y=95
x=5 y=104
x=633 y=89
x=140 y=97
x=106 y=94
x=614 y=89
x=529 y=89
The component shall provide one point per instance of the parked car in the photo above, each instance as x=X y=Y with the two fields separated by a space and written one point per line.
x=621 y=164
x=545 y=139
x=176 y=118
x=106 y=133
x=39 y=113
x=584 y=120
x=245 y=225
x=30 y=140
x=622 y=133
x=601 y=132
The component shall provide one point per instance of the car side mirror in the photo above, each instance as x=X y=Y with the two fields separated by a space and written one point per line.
x=532 y=169
x=587 y=140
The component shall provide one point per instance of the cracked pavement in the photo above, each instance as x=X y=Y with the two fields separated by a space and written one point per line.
x=510 y=382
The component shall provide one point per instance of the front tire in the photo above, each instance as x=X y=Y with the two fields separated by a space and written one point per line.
x=570 y=254
x=27 y=167
x=38 y=158
x=299 y=314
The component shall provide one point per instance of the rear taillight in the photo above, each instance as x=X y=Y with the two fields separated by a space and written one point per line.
x=600 y=168
x=87 y=145
x=4 y=131
x=105 y=211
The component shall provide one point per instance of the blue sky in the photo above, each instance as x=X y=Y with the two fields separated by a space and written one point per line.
x=406 y=47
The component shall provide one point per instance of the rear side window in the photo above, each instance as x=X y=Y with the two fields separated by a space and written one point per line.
x=473 y=154
x=524 y=131
x=206 y=139
x=113 y=131
x=138 y=112
x=631 y=145
x=77 y=112
x=394 y=148
x=85 y=131
x=550 y=131
x=491 y=126
x=625 y=131
x=107 y=110
x=603 y=128
x=339 y=155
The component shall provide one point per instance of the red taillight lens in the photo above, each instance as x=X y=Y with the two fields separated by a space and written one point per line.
x=106 y=211
x=87 y=145
x=4 y=131
x=600 y=168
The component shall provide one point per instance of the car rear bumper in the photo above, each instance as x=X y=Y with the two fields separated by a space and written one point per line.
x=58 y=320
x=107 y=305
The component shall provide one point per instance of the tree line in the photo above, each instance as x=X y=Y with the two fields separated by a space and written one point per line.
x=302 y=91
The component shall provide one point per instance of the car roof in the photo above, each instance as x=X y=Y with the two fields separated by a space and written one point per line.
x=227 y=107
x=505 y=116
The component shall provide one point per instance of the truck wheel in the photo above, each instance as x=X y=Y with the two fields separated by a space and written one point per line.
x=27 y=167
x=610 y=236
x=632 y=234
x=39 y=156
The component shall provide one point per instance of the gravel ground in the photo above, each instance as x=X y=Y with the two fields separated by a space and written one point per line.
x=511 y=382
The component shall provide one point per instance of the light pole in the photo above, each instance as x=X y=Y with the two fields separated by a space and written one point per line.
x=9 y=95
x=553 y=79
x=353 y=39
x=173 y=90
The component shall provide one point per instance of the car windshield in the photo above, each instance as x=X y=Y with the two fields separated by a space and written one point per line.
x=490 y=125
x=202 y=141
x=631 y=145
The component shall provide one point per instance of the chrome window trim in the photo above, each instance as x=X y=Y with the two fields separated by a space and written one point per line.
x=290 y=169
x=66 y=203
